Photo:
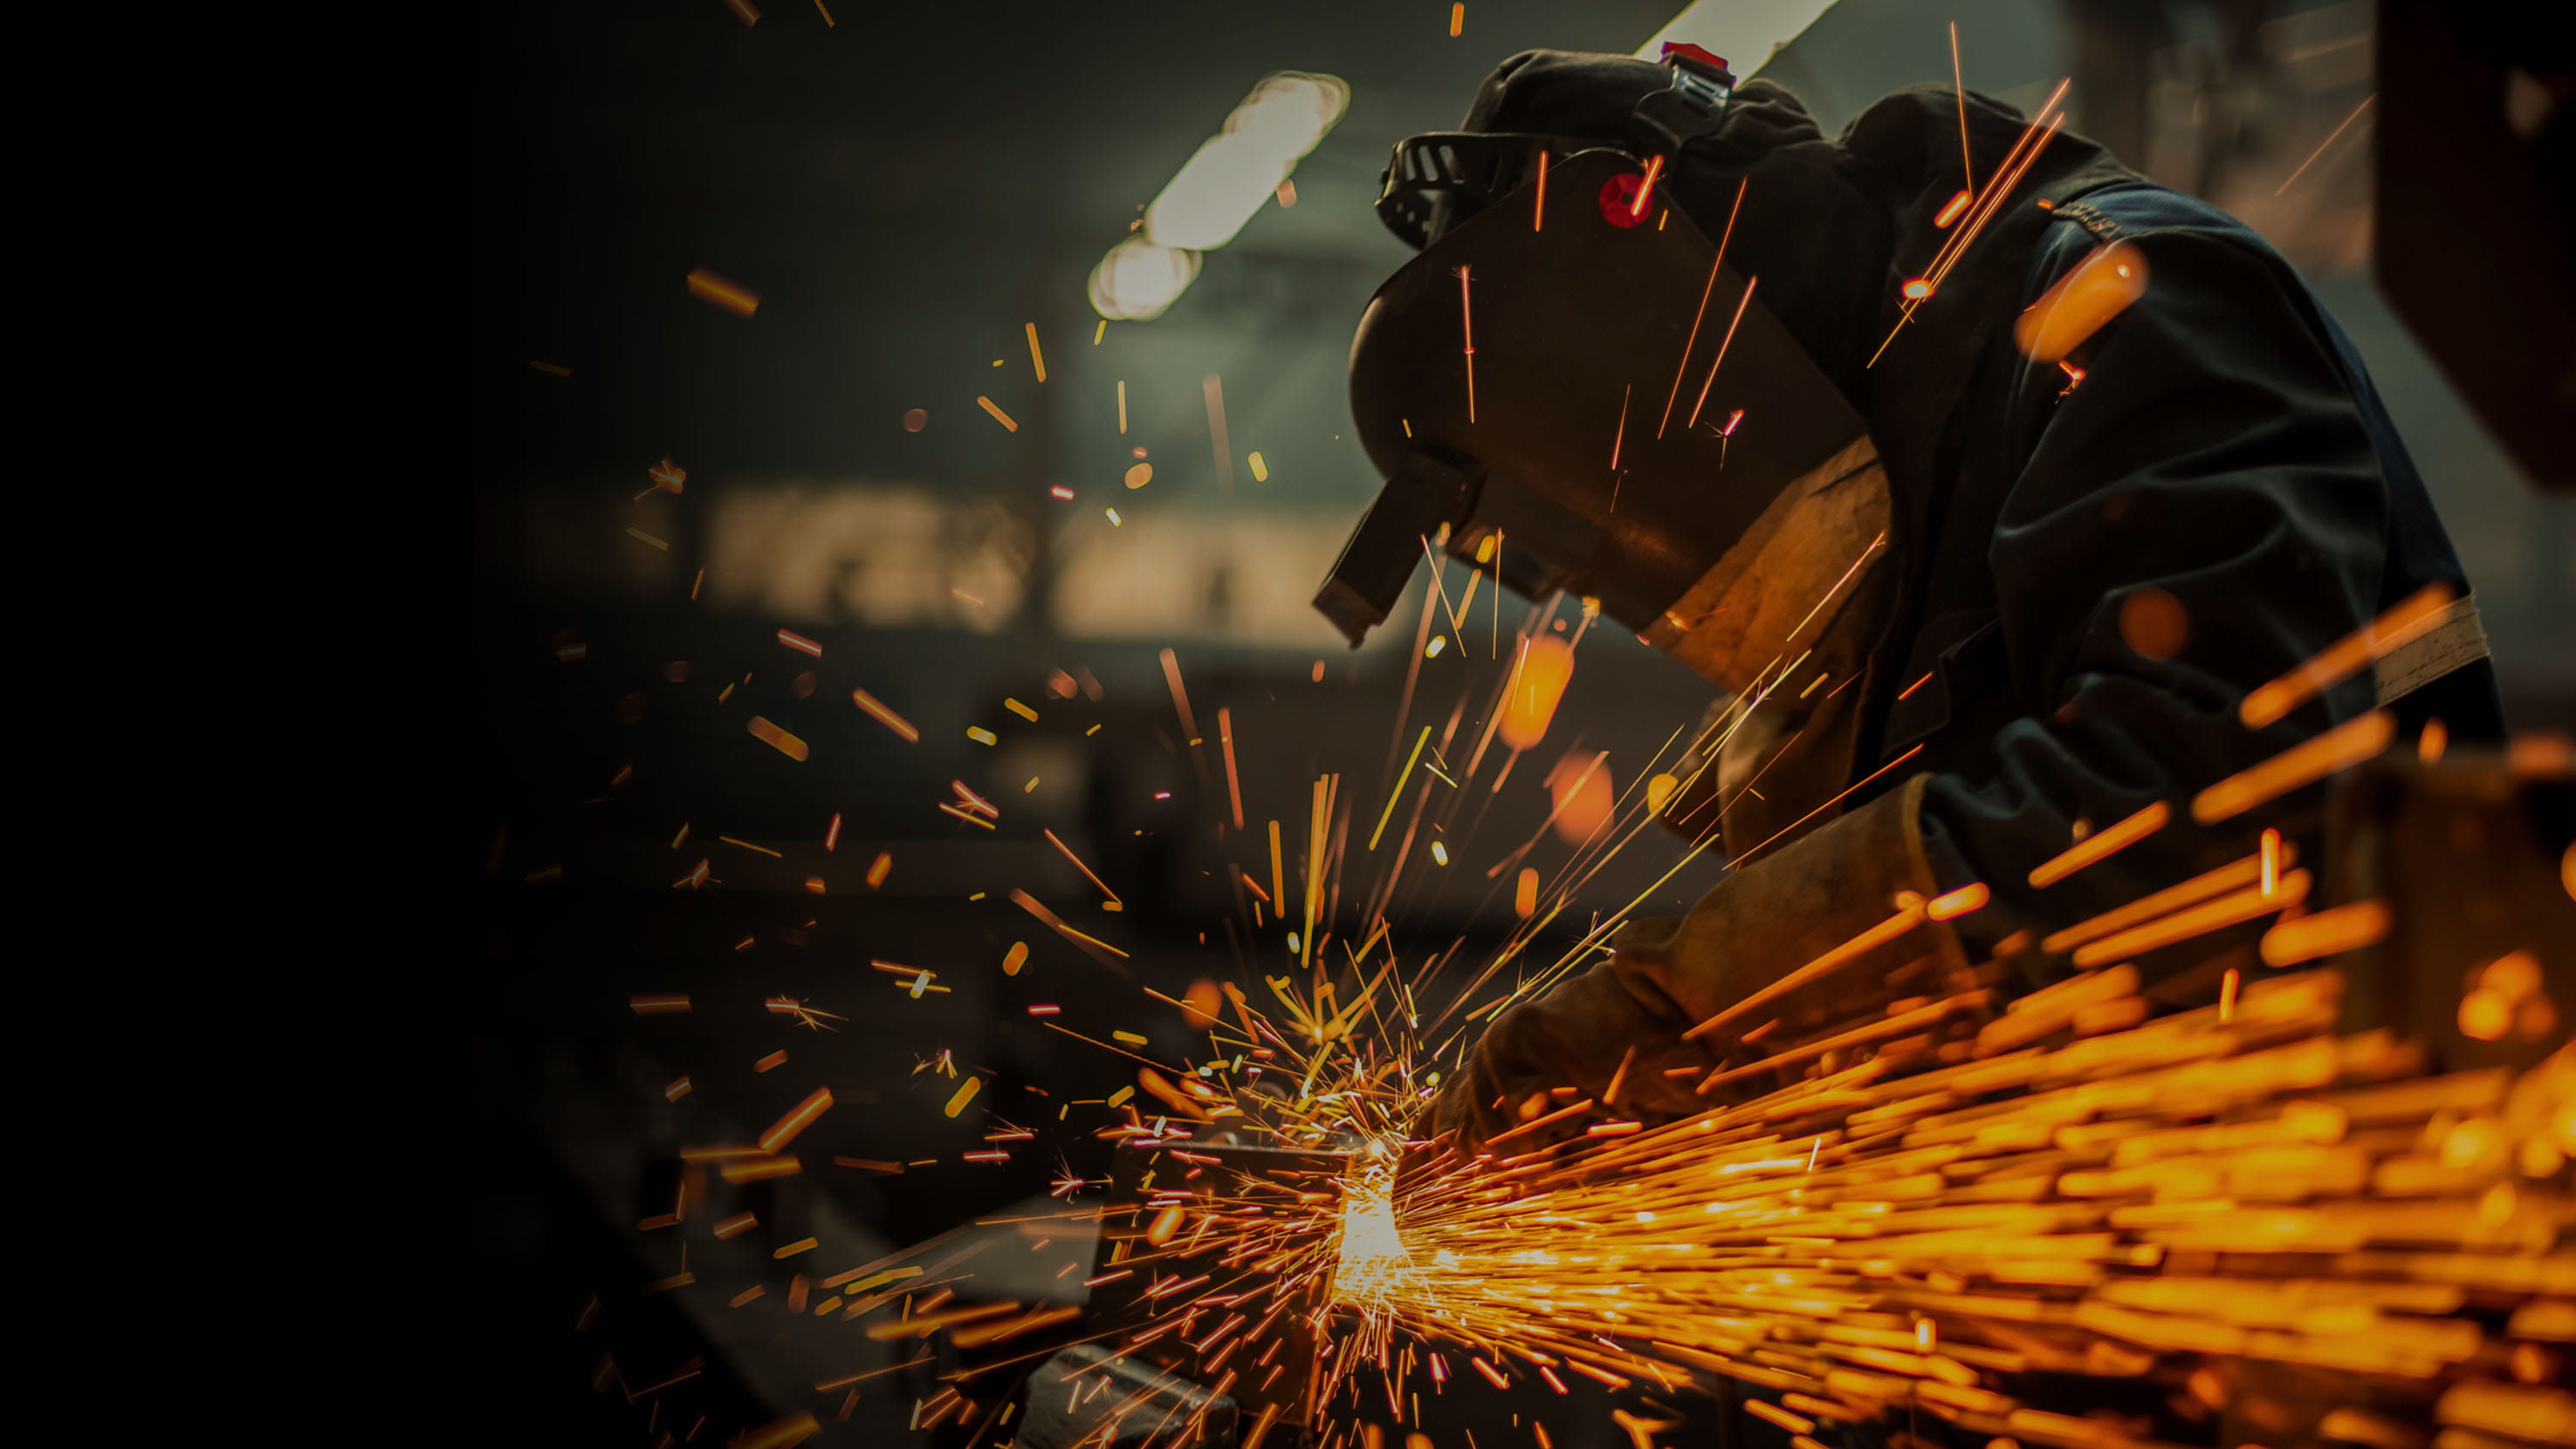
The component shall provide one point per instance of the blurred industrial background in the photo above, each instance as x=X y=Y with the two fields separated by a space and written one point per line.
x=930 y=453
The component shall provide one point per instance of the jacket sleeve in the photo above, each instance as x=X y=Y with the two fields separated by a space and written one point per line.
x=2214 y=451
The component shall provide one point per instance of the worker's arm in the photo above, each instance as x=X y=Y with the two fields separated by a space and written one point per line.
x=2213 y=451
x=1627 y=1019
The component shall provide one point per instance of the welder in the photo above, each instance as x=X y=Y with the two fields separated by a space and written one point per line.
x=1964 y=598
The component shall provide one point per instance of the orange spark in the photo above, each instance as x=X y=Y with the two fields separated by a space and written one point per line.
x=1467 y=324
x=1957 y=903
x=2343 y=928
x=1858 y=946
x=2228 y=877
x=797 y=1119
x=1646 y=188
x=778 y=739
x=1959 y=85
x=2099 y=288
x=2101 y=844
x=1098 y=949
x=1740 y=304
x=2343 y=746
x=1180 y=696
x=1225 y=740
x=1546 y=668
x=2243 y=906
x=709 y=286
x=2329 y=140
x=2404 y=622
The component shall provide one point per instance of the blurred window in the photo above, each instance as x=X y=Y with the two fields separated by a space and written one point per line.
x=1238 y=576
x=894 y=556
x=884 y=556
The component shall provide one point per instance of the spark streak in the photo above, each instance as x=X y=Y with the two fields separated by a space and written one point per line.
x=2403 y=623
x=2339 y=748
x=2101 y=845
x=1681 y=369
x=2329 y=140
x=1467 y=325
x=1740 y=304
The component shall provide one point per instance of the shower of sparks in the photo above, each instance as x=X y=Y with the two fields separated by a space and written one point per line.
x=1894 y=1197
x=1903 y=1200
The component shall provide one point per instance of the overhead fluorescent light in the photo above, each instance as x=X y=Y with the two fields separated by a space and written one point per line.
x=1747 y=32
x=1227 y=180
x=1138 y=279
x=1216 y=191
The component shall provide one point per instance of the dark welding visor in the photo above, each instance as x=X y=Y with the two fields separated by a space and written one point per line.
x=1589 y=383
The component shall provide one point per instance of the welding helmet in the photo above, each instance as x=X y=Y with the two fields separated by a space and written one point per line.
x=1570 y=369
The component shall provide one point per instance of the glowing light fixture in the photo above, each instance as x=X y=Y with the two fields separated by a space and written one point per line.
x=1138 y=279
x=1216 y=191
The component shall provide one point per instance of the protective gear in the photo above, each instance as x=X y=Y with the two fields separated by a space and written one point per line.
x=1441 y=178
x=2218 y=442
x=1665 y=977
x=1635 y=499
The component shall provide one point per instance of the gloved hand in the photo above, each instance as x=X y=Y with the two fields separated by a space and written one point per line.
x=1566 y=1047
x=1666 y=976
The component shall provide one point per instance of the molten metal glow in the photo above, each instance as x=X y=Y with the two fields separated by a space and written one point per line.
x=1371 y=1261
x=1546 y=667
x=2100 y=288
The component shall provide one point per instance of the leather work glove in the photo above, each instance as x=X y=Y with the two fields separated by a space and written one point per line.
x=1666 y=976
